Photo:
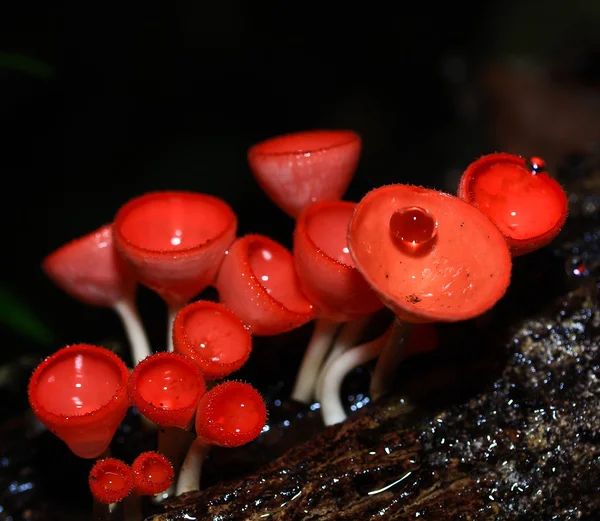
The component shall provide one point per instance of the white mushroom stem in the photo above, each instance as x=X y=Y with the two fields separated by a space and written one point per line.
x=348 y=337
x=134 y=329
x=171 y=314
x=173 y=443
x=191 y=470
x=393 y=352
x=316 y=351
x=332 y=409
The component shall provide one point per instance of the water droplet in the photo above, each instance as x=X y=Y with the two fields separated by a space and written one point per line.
x=575 y=267
x=536 y=165
x=413 y=226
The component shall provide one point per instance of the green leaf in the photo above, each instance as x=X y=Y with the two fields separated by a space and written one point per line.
x=27 y=65
x=20 y=318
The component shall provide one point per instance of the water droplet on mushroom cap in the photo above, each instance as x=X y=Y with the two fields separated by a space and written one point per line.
x=413 y=226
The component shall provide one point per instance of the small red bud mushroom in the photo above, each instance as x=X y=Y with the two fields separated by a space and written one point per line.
x=231 y=414
x=258 y=282
x=91 y=270
x=175 y=242
x=517 y=194
x=213 y=336
x=330 y=280
x=110 y=480
x=80 y=394
x=431 y=257
x=298 y=169
x=153 y=473
x=423 y=338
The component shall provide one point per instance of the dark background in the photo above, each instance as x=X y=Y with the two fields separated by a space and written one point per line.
x=144 y=97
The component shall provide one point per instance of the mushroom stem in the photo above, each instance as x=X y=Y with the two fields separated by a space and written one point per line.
x=191 y=470
x=348 y=337
x=173 y=443
x=316 y=351
x=392 y=354
x=136 y=334
x=171 y=314
x=329 y=395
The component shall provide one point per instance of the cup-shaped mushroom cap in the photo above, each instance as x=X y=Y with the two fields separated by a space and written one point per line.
x=91 y=270
x=517 y=194
x=429 y=255
x=231 y=414
x=259 y=283
x=327 y=273
x=175 y=241
x=165 y=388
x=153 y=473
x=110 y=480
x=80 y=394
x=297 y=169
x=213 y=336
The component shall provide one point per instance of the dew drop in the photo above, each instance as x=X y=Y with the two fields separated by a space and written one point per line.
x=413 y=226
x=536 y=165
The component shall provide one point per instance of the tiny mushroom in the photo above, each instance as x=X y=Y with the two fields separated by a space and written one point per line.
x=80 y=394
x=175 y=242
x=258 y=282
x=330 y=280
x=517 y=194
x=110 y=480
x=153 y=473
x=231 y=414
x=301 y=168
x=91 y=270
x=431 y=257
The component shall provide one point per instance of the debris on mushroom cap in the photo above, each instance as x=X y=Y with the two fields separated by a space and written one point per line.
x=231 y=414
x=213 y=336
x=80 y=394
x=297 y=169
x=175 y=241
x=460 y=272
x=517 y=194
x=327 y=273
x=165 y=387
x=91 y=270
x=258 y=282
x=110 y=480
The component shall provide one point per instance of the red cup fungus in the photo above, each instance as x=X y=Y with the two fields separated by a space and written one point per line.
x=231 y=414
x=153 y=473
x=330 y=280
x=258 y=282
x=91 y=270
x=165 y=388
x=213 y=336
x=301 y=168
x=80 y=394
x=110 y=480
x=517 y=194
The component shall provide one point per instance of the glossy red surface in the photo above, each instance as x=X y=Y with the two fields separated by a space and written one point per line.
x=110 y=480
x=80 y=394
x=462 y=275
x=527 y=205
x=230 y=414
x=413 y=226
x=258 y=282
x=213 y=336
x=91 y=270
x=175 y=241
x=298 y=169
x=153 y=473
x=327 y=273
x=166 y=387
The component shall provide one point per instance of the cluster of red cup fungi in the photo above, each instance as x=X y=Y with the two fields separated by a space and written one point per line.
x=427 y=255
